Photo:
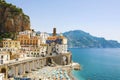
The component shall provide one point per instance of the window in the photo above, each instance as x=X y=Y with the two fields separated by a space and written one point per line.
x=2 y=57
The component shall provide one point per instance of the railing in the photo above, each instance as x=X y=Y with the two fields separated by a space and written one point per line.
x=29 y=59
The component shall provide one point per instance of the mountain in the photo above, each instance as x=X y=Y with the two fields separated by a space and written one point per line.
x=12 y=18
x=81 y=39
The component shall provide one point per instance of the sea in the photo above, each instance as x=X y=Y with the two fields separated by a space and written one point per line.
x=97 y=64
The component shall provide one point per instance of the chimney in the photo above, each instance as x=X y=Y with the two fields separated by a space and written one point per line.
x=54 y=31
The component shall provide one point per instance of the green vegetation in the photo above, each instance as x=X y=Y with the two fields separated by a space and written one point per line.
x=7 y=35
x=81 y=39
x=12 y=19
x=3 y=1
x=26 y=16
x=13 y=8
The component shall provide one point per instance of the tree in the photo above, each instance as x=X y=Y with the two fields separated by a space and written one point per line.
x=2 y=0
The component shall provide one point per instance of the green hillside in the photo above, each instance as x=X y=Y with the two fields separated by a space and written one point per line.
x=81 y=39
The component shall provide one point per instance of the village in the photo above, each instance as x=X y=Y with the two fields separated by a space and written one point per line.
x=31 y=51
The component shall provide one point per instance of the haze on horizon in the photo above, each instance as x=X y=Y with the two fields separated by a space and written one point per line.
x=98 y=17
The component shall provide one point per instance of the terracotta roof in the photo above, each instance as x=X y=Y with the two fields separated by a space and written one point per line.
x=52 y=38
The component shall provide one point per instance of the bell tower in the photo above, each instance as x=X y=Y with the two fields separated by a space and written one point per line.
x=54 y=31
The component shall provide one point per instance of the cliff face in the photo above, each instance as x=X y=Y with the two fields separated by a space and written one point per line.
x=12 y=19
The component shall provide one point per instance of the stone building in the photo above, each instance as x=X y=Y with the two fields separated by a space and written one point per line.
x=8 y=43
x=26 y=40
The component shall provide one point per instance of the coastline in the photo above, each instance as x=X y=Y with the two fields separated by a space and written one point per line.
x=53 y=73
x=72 y=76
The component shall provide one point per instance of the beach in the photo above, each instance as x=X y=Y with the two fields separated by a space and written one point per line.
x=52 y=73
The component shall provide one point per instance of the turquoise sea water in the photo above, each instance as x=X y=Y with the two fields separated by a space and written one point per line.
x=97 y=64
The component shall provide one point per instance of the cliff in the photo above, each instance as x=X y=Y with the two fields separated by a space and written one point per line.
x=12 y=19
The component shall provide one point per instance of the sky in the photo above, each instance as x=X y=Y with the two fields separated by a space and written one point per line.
x=100 y=18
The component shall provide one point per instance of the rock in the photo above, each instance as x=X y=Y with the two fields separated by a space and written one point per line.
x=76 y=66
x=12 y=19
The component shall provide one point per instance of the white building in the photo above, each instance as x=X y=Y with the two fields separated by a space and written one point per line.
x=43 y=37
x=8 y=49
x=37 y=52
x=28 y=32
x=1 y=76
x=61 y=48
x=4 y=56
